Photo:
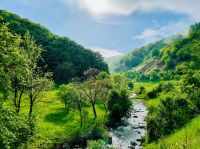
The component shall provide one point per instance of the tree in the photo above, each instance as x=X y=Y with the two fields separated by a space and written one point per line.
x=106 y=87
x=119 y=82
x=68 y=94
x=119 y=106
x=93 y=88
x=13 y=65
x=79 y=103
x=37 y=82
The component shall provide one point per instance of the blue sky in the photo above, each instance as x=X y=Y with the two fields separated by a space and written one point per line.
x=112 y=27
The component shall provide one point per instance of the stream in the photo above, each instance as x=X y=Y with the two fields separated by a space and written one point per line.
x=129 y=132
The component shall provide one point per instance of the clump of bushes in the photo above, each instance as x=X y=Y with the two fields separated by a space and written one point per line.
x=179 y=103
x=119 y=106
x=14 y=130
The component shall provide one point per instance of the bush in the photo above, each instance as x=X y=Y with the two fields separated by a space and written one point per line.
x=174 y=111
x=14 y=130
x=130 y=85
x=119 y=106
x=95 y=144
x=152 y=94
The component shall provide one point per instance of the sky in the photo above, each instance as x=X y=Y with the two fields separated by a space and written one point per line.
x=111 y=27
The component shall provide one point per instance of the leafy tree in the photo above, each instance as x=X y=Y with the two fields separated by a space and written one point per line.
x=119 y=82
x=119 y=106
x=36 y=81
x=93 y=88
x=67 y=94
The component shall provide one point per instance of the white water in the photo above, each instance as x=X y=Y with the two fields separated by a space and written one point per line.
x=131 y=129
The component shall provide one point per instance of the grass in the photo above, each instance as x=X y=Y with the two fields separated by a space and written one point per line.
x=187 y=137
x=55 y=124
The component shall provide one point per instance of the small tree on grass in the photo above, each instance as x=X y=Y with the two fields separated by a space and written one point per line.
x=106 y=87
x=67 y=94
x=37 y=82
x=36 y=86
x=92 y=89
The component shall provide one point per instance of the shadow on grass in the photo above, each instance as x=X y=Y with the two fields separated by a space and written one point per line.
x=59 y=117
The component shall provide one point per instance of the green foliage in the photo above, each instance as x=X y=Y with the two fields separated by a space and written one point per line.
x=130 y=85
x=60 y=55
x=187 y=137
x=95 y=144
x=140 y=55
x=14 y=130
x=119 y=106
x=178 y=103
x=68 y=94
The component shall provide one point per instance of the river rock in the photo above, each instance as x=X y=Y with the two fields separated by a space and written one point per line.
x=133 y=143
x=142 y=127
x=138 y=132
x=135 y=116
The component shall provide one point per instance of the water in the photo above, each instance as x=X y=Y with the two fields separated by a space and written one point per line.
x=131 y=129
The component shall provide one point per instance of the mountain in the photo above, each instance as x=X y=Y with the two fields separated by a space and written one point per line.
x=140 y=55
x=62 y=56
x=112 y=62
x=163 y=59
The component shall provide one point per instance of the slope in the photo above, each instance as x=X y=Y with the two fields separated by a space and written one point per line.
x=62 y=56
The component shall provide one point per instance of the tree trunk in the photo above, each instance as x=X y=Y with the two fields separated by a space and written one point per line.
x=31 y=105
x=94 y=110
x=15 y=98
x=79 y=105
x=19 y=102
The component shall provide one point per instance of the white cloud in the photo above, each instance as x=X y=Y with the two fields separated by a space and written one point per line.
x=151 y=35
x=103 y=8
x=106 y=53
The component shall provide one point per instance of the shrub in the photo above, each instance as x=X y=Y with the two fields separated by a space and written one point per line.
x=95 y=144
x=119 y=106
x=14 y=130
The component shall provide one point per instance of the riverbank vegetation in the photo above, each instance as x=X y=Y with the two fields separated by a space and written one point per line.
x=169 y=81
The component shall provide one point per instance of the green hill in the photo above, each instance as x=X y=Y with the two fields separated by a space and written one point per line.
x=164 y=59
x=62 y=56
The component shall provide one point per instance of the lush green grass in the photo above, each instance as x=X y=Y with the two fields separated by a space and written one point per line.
x=56 y=124
x=187 y=137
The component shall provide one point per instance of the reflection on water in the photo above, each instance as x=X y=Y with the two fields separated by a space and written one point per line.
x=132 y=129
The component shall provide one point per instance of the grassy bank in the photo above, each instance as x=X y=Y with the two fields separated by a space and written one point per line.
x=187 y=137
x=56 y=124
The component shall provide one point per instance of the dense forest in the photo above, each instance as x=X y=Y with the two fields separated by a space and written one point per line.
x=55 y=93
x=60 y=55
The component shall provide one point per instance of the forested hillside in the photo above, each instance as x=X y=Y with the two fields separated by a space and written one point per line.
x=62 y=56
x=165 y=59
x=143 y=54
